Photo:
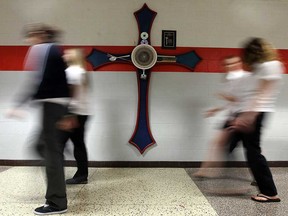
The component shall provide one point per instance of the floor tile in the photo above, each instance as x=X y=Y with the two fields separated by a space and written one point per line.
x=110 y=191
x=233 y=179
x=141 y=186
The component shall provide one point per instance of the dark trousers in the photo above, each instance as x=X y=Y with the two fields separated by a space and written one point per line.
x=233 y=142
x=50 y=146
x=77 y=137
x=256 y=161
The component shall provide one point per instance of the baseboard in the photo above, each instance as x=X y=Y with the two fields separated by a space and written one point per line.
x=145 y=164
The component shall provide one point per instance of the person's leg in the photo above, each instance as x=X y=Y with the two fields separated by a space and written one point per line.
x=80 y=152
x=39 y=145
x=56 y=188
x=215 y=154
x=257 y=162
x=233 y=142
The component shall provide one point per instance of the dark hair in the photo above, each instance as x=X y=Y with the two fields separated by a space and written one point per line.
x=49 y=33
x=258 y=50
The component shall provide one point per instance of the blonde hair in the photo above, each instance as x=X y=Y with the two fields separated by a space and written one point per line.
x=78 y=58
x=258 y=50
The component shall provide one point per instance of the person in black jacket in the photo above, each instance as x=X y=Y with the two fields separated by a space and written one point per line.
x=49 y=89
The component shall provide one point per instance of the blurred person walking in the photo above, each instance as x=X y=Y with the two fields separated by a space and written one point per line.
x=78 y=79
x=258 y=95
x=224 y=142
x=49 y=89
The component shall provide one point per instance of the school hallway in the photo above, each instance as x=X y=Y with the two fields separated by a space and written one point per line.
x=143 y=191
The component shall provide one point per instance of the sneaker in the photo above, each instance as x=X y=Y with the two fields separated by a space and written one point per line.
x=48 y=210
x=77 y=180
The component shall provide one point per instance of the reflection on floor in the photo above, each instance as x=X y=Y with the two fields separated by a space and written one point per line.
x=143 y=191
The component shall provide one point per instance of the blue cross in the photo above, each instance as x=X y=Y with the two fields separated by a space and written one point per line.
x=142 y=137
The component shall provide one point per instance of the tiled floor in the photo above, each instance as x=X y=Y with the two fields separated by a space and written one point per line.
x=230 y=193
x=142 y=191
x=109 y=192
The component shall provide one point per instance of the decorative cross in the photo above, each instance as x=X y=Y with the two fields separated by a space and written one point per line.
x=143 y=57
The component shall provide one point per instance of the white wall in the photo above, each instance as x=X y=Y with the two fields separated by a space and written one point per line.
x=199 y=23
x=177 y=100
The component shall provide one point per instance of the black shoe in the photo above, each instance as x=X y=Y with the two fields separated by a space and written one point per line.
x=77 y=180
x=48 y=210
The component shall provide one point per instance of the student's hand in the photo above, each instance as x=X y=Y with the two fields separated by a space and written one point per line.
x=15 y=113
x=227 y=97
x=211 y=112
x=68 y=123
x=245 y=122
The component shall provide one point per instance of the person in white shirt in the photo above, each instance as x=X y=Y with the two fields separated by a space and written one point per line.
x=223 y=140
x=78 y=80
x=258 y=95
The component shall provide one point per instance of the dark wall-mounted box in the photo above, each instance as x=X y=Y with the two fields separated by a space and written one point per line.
x=168 y=39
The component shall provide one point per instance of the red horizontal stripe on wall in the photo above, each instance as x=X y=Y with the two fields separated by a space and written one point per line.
x=12 y=58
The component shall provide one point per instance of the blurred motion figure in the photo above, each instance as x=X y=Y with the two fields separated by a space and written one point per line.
x=79 y=84
x=224 y=141
x=258 y=96
x=48 y=88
